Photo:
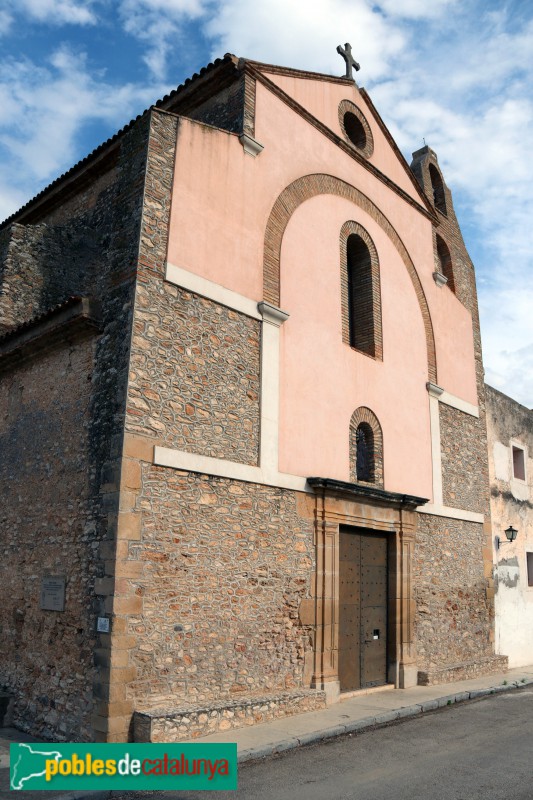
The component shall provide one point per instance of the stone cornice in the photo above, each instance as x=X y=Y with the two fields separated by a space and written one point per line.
x=440 y=279
x=369 y=493
x=433 y=389
x=272 y=314
x=251 y=146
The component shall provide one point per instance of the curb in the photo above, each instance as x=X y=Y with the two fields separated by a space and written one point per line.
x=356 y=726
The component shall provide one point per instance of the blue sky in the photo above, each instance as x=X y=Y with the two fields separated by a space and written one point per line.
x=457 y=73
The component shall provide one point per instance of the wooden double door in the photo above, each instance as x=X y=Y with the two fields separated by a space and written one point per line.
x=363 y=581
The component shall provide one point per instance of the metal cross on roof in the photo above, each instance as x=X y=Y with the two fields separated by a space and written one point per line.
x=346 y=53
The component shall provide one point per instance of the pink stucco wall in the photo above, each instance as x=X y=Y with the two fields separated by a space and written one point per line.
x=322 y=100
x=323 y=380
x=222 y=201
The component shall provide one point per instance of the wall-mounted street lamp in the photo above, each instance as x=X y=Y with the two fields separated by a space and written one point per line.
x=511 y=534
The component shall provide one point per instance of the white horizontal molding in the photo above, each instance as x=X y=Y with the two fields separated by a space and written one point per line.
x=451 y=513
x=221 y=468
x=211 y=290
x=456 y=402
x=451 y=400
x=232 y=470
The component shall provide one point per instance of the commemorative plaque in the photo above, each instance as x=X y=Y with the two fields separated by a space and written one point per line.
x=53 y=593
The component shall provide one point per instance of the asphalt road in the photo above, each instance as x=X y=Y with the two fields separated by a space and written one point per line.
x=481 y=749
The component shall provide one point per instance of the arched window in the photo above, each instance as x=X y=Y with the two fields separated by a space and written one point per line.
x=444 y=262
x=361 y=301
x=439 y=197
x=364 y=453
x=366 y=447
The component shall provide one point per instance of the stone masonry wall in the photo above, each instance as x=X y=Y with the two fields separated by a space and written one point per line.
x=464 y=462
x=96 y=234
x=224 y=567
x=20 y=281
x=454 y=611
x=43 y=263
x=455 y=616
x=48 y=528
x=202 y=720
x=194 y=374
x=113 y=716
x=224 y=110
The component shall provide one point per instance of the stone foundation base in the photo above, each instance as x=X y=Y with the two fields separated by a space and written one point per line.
x=464 y=671
x=175 y=725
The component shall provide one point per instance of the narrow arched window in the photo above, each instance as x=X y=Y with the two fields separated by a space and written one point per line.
x=360 y=291
x=444 y=262
x=364 y=459
x=366 y=447
x=439 y=197
x=360 y=300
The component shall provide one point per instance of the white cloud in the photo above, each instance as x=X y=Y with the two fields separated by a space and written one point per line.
x=508 y=341
x=52 y=12
x=6 y=21
x=43 y=110
x=415 y=9
x=158 y=24
x=284 y=32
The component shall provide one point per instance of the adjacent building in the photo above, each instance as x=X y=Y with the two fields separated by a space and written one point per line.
x=510 y=435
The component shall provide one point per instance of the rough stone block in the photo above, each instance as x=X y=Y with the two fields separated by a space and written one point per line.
x=131 y=474
x=140 y=447
x=129 y=526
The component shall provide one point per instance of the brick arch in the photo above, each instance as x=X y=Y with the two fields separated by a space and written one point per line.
x=364 y=417
x=305 y=188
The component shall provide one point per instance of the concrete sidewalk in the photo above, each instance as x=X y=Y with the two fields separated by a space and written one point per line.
x=353 y=715
x=364 y=711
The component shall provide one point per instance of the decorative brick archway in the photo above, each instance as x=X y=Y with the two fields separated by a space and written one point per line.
x=304 y=189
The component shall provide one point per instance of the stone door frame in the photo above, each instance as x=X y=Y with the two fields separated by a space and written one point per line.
x=362 y=506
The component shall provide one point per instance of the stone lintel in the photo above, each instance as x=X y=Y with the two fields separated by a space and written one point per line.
x=368 y=493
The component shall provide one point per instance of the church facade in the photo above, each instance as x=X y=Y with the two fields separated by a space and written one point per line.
x=243 y=419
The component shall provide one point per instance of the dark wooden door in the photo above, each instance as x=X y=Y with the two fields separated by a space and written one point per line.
x=362 y=609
